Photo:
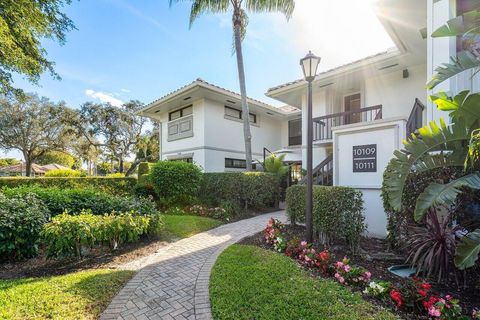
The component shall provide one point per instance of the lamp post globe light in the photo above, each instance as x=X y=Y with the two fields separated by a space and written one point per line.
x=309 y=66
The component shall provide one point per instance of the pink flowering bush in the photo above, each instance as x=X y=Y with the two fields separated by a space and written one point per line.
x=355 y=276
x=272 y=231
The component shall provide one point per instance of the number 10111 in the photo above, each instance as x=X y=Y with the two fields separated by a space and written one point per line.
x=365 y=165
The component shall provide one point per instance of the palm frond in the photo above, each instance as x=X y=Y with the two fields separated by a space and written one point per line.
x=465 y=60
x=420 y=153
x=437 y=194
x=463 y=107
x=284 y=6
x=467 y=23
x=200 y=7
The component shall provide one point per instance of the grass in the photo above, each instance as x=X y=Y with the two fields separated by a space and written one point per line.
x=248 y=282
x=79 y=295
x=184 y=226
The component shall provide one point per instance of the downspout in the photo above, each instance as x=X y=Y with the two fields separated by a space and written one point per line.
x=160 y=141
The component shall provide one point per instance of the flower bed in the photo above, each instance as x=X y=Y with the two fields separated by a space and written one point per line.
x=412 y=297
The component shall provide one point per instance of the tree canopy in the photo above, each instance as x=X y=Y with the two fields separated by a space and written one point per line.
x=23 y=25
x=33 y=126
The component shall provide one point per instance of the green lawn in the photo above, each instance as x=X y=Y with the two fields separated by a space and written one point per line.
x=79 y=295
x=248 y=282
x=184 y=226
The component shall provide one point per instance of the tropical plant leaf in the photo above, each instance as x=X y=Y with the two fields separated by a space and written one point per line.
x=437 y=194
x=467 y=23
x=463 y=107
x=465 y=60
x=468 y=250
x=421 y=153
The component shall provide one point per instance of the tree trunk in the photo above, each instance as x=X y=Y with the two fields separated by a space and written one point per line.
x=243 y=91
x=120 y=165
x=28 y=165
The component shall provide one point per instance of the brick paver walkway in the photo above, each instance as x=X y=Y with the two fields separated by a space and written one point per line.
x=174 y=282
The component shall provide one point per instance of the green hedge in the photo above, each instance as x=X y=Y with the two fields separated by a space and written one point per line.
x=249 y=190
x=67 y=235
x=21 y=220
x=119 y=186
x=175 y=182
x=75 y=200
x=337 y=212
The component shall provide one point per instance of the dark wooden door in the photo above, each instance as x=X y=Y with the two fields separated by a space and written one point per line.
x=352 y=103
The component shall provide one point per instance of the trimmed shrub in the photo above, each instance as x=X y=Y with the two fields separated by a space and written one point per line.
x=68 y=235
x=21 y=221
x=175 y=182
x=144 y=168
x=337 y=212
x=248 y=190
x=115 y=175
x=64 y=173
x=75 y=200
x=120 y=186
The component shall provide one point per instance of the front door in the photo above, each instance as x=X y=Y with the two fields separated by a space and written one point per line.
x=352 y=103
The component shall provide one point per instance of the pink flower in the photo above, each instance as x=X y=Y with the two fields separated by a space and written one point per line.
x=341 y=280
x=448 y=297
x=303 y=243
x=339 y=264
x=434 y=312
x=368 y=275
x=346 y=268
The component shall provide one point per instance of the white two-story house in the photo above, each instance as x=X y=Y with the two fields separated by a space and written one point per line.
x=203 y=123
x=362 y=110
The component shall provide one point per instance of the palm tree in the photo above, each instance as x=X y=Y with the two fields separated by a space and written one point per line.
x=240 y=21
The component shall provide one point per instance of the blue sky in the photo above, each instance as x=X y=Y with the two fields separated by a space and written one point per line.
x=143 y=49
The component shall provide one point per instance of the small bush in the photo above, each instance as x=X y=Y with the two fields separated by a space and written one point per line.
x=248 y=190
x=67 y=235
x=144 y=168
x=64 y=173
x=75 y=200
x=337 y=212
x=175 y=181
x=204 y=211
x=21 y=220
x=116 y=186
x=115 y=175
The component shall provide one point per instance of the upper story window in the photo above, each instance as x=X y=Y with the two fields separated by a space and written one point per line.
x=183 y=112
x=232 y=113
x=295 y=132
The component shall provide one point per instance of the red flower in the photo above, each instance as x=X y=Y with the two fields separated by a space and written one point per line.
x=431 y=302
x=324 y=255
x=426 y=286
x=423 y=293
x=397 y=297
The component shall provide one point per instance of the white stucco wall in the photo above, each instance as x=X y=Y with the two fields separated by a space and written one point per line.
x=216 y=138
x=396 y=94
x=344 y=138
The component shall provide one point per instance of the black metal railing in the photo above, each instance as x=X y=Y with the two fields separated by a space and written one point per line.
x=322 y=173
x=415 y=120
x=322 y=126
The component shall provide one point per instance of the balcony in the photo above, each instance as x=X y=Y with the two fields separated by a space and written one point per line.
x=322 y=126
x=180 y=128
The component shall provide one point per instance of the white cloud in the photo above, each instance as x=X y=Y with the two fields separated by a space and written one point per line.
x=104 y=97
x=125 y=90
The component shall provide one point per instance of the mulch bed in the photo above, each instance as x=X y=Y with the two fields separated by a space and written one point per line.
x=98 y=258
x=370 y=258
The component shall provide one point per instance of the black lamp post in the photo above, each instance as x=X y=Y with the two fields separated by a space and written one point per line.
x=309 y=66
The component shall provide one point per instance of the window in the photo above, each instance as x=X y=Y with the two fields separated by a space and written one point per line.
x=295 y=132
x=472 y=40
x=233 y=113
x=186 y=111
x=188 y=160
x=237 y=164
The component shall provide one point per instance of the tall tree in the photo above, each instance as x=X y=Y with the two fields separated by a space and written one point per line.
x=23 y=24
x=31 y=125
x=239 y=9
x=117 y=129
x=58 y=157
